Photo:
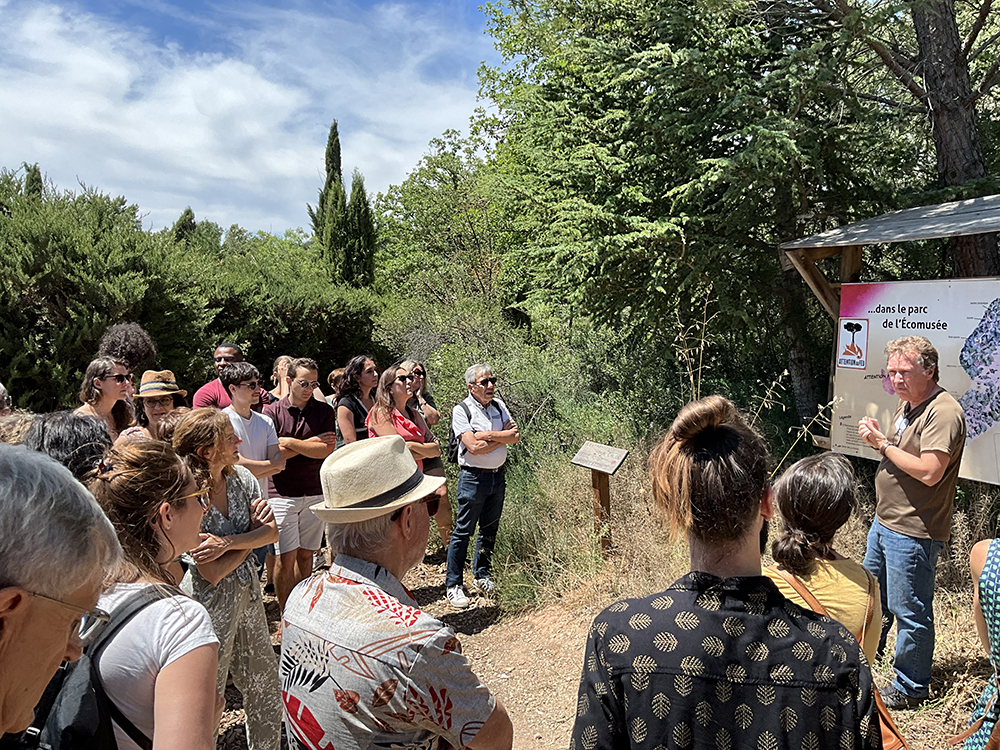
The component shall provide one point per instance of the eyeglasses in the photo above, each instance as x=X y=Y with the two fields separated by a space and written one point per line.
x=118 y=378
x=404 y=378
x=433 y=503
x=487 y=381
x=202 y=495
x=253 y=385
x=228 y=358
x=418 y=373
x=306 y=384
x=159 y=401
x=90 y=619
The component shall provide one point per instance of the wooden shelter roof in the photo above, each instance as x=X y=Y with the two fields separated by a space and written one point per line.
x=973 y=216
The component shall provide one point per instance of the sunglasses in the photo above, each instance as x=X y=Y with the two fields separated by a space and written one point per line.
x=252 y=385
x=306 y=384
x=90 y=619
x=404 y=378
x=433 y=503
x=487 y=381
x=418 y=373
x=118 y=378
x=202 y=495
x=158 y=401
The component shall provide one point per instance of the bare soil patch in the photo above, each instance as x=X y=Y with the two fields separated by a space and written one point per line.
x=532 y=661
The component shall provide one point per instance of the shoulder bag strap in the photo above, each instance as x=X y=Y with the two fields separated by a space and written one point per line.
x=468 y=415
x=129 y=609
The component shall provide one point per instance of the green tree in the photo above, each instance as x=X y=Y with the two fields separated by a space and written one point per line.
x=33 y=184
x=926 y=66
x=185 y=226
x=359 y=255
x=329 y=218
x=665 y=148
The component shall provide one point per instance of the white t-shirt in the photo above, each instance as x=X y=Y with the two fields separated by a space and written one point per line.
x=257 y=434
x=157 y=636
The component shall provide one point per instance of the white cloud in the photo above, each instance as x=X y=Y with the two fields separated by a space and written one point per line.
x=238 y=136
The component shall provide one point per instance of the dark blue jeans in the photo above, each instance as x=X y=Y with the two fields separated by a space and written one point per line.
x=904 y=567
x=480 y=501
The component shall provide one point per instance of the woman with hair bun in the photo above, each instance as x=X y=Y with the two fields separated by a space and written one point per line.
x=720 y=659
x=815 y=498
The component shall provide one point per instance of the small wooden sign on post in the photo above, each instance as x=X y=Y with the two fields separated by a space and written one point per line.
x=603 y=461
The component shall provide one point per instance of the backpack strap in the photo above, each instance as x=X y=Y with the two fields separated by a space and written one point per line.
x=132 y=606
x=468 y=415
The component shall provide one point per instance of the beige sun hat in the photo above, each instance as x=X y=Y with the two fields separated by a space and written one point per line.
x=370 y=478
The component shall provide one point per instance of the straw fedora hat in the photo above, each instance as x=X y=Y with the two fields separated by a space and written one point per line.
x=370 y=478
x=159 y=383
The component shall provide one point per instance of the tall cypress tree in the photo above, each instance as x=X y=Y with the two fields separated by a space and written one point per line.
x=185 y=226
x=329 y=216
x=359 y=258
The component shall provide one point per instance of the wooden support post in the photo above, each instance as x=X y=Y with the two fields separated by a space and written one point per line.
x=850 y=265
x=816 y=281
x=602 y=508
x=603 y=461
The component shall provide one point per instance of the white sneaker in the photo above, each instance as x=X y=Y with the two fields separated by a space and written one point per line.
x=457 y=597
x=485 y=585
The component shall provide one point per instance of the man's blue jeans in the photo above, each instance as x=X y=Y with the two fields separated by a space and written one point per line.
x=904 y=567
x=480 y=501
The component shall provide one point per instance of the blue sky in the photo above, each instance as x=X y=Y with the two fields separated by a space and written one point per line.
x=225 y=106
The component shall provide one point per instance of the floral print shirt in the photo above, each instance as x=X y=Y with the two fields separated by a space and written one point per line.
x=362 y=667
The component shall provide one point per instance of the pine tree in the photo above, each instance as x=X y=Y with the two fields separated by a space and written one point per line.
x=359 y=258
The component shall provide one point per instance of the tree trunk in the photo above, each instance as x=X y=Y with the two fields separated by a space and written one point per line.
x=960 y=158
x=804 y=387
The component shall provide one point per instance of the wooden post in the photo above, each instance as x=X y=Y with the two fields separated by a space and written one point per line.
x=602 y=508
x=603 y=461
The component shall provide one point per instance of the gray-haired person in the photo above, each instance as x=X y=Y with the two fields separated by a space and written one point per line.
x=485 y=428
x=55 y=547
x=4 y=401
x=361 y=666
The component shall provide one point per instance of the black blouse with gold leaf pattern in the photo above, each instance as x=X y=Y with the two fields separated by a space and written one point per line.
x=722 y=664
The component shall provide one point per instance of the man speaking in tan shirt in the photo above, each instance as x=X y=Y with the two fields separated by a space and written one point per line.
x=915 y=493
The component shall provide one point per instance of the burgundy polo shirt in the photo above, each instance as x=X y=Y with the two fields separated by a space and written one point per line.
x=301 y=473
x=213 y=394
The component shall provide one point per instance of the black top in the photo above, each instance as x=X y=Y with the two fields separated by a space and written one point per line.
x=715 y=663
x=358 y=410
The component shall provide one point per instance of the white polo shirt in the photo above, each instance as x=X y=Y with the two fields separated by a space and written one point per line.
x=493 y=416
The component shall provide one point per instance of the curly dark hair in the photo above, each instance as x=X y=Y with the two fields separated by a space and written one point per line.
x=352 y=375
x=129 y=344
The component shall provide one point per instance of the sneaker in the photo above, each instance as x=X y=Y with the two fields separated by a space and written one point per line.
x=485 y=585
x=457 y=597
x=896 y=700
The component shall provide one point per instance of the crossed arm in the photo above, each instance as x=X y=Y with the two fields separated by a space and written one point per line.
x=261 y=469
x=218 y=556
x=487 y=441
x=318 y=446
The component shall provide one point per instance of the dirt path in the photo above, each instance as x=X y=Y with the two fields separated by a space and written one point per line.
x=533 y=662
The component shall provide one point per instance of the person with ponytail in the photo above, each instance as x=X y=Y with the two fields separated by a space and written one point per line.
x=721 y=658
x=162 y=663
x=815 y=497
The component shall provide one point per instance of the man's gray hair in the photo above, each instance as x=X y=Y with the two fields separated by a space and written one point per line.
x=473 y=373
x=356 y=539
x=4 y=397
x=54 y=537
